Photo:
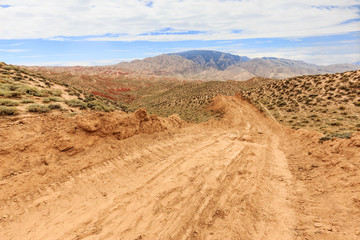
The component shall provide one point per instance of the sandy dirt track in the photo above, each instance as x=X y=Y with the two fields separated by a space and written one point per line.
x=244 y=177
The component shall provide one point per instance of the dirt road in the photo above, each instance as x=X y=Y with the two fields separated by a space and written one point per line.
x=245 y=177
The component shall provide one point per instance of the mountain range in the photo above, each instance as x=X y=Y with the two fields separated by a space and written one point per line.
x=214 y=65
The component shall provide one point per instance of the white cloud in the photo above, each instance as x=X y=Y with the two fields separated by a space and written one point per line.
x=13 y=50
x=317 y=54
x=98 y=62
x=218 y=20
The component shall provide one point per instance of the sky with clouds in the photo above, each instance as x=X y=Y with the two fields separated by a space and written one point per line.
x=99 y=32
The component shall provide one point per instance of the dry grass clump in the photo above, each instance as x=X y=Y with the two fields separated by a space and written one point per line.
x=27 y=100
x=8 y=111
x=55 y=106
x=76 y=103
x=7 y=102
x=37 y=108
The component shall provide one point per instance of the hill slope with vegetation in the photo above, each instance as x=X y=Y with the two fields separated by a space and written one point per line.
x=190 y=100
x=25 y=92
x=329 y=103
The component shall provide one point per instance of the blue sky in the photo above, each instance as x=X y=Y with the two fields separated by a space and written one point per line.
x=101 y=32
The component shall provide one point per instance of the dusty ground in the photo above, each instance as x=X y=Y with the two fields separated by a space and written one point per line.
x=117 y=176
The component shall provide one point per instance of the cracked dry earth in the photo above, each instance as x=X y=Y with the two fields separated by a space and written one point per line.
x=244 y=177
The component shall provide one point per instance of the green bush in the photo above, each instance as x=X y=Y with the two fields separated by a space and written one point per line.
x=8 y=111
x=7 y=102
x=38 y=108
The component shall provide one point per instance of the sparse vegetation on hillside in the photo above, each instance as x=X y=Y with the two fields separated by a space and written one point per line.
x=328 y=103
x=189 y=100
x=108 y=82
x=20 y=87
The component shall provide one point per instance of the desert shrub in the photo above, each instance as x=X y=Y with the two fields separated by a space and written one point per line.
x=27 y=100
x=76 y=103
x=340 y=135
x=55 y=99
x=45 y=93
x=72 y=92
x=8 y=111
x=56 y=93
x=7 y=102
x=46 y=100
x=323 y=139
x=10 y=94
x=40 y=93
x=55 y=106
x=38 y=108
x=89 y=98
x=52 y=99
x=48 y=84
x=7 y=68
x=17 y=78
x=100 y=106
x=25 y=90
x=335 y=124
x=343 y=88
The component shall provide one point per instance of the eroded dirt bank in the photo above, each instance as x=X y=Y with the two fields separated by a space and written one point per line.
x=139 y=177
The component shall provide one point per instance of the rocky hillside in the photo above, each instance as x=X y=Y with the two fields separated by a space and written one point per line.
x=214 y=65
x=212 y=59
x=109 y=82
x=163 y=65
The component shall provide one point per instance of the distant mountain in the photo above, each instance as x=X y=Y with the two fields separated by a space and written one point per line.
x=212 y=59
x=336 y=68
x=206 y=65
x=279 y=67
x=162 y=65
x=214 y=65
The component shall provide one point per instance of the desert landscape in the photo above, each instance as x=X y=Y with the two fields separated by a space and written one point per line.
x=159 y=157
x=179 y=120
